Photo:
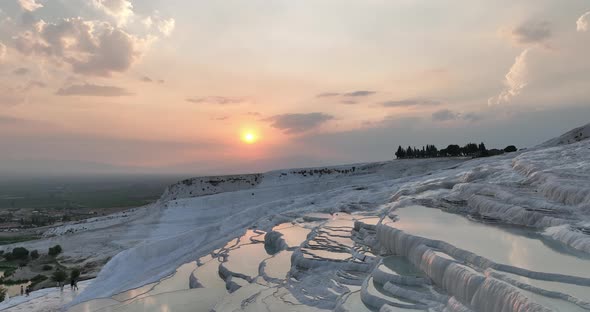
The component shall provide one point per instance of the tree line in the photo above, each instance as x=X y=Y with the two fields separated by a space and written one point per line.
x=453 y=150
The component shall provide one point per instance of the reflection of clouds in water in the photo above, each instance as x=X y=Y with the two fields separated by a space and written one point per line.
x=519 y=253
x=531 y=253
x=149 y=301
x=507 y=246
x=135 y=293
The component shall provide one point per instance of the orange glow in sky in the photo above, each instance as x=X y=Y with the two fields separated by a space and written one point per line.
x=249 y=137
x=287 y=97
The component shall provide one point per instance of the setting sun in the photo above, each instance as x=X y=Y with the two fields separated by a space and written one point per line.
x=249 y=137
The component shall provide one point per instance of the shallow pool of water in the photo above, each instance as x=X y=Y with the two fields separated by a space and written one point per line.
x=580 y=292
x=293 y=234
x=279 y=265
x=246 y=259
x=513 y=246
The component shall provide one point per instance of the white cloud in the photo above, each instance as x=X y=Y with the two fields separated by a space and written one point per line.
x=121 y=10
x=90 y=47
x=515 y=80
x=164 y=26
x=583 y=23
x=30 y=5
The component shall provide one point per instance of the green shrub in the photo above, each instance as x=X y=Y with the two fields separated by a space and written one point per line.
x=510 y=149
x=55 y=250
x=14 y=282
x=38 y=279
x=20 y=253
x=75 y=273
x=47 y=267
x=59 y=276
x=8 y=272
x=34 y=254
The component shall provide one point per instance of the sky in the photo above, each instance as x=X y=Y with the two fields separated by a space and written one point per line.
x=173 y=86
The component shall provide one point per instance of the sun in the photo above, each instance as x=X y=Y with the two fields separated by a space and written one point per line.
x=249 y=137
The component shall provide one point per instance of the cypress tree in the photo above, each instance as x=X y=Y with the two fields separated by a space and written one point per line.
x=483 y=151
x=400 y=152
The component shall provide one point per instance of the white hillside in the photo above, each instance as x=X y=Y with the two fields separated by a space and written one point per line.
x=201 y=186
x=575 y=135
x=192 y=226
x=314 y=179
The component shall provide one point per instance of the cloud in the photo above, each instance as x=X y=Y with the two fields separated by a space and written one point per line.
x=348 y=102
x=9 y=120
x=28 y=19
x=515 y=80
x=11 y=96
x=220 y=100
x=377 y=143
x=21 y=71
x=164 y=26
x=35 y=84
x=360 y=93
x=444 y=115
x=410 y=102
x=6 y=120
x=90 y=47
x=2 y=52
x=531 y=32
x=71 y=148
x=253 y=114
x=392 y=121
x=121 y=10
x=471 y=117
x=298 y=123
x=447 y=114
x=221 y=118
x=92 y=90
x=328 y=94
x=583 y=23
x=149 y=80
x=30 y=5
